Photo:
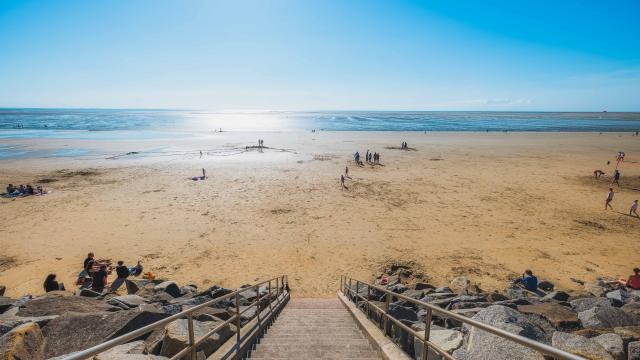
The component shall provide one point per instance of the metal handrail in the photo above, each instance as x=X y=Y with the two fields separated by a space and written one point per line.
x=282 y=283
x=346 y=283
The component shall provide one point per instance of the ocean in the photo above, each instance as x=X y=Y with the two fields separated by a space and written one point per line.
x=133 y=124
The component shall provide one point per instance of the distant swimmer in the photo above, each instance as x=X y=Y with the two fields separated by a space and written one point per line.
x=598 y=173
x=607 y=203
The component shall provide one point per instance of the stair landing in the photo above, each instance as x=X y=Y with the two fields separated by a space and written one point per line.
x=314 y=329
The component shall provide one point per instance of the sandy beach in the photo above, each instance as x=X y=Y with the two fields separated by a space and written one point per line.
x=485 y=205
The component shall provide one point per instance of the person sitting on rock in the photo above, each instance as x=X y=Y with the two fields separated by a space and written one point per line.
x=99 y=279
x=633 y=282
x=50 y=284
x=137 y=270
x=528 y=281
x=123 y=273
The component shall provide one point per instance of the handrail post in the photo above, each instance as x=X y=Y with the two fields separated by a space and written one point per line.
x=277 y=287
x=258 y=304
x=192 y=340
x=357 y=291
x=270 y=295
x=386 y=313
x=427 y=332
x=238 y=326
x=350 y=288
x=368 y=301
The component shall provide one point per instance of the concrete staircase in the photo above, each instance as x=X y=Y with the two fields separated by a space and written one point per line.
x=314 y=329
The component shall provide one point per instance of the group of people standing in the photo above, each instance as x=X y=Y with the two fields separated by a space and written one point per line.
x=404 y=145
x=372 y=158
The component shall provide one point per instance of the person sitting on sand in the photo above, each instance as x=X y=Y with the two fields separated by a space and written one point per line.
x=30 y=190
x=633 y=282
x=99 y=279
x=598 y=173
x=122 y=273
x=607 y=202
x=136 y=270
x=50 y=284
x=634 y=208
x=528 y=281
x=11 y=189
x=22 y=190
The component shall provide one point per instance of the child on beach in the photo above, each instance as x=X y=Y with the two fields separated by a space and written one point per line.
x=607 y=203
x=634 y=208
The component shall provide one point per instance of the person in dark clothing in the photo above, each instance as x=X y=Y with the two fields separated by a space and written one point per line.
x=50 y=284
x=85 y=266
x=528 y=281
x=137 y=270
x=99 y=279
x=123 y=273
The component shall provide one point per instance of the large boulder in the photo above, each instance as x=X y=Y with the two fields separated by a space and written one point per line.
x=632 y=308
x=480 y=344
x=598 y=288
x=5 y=304
x=169 y=287
x=605 y=316
x=10 y=322
x=447 y=340
x=129 y=351
x=633 y=350
x=579 y=345
x=628 y=333
x=460 y=285
x=557 y=315
x=403 y=312
x=222 y=314
x=582 y=304
x=58 y=305
x=620 y=295
x=127 y=300
x=176 y=336
x=73 y=332
x=24 y=342
x=2 y=290
x=612 y=343
x=556 y=296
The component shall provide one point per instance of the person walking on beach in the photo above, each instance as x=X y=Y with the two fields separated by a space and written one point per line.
x=366 y=156
x=616 y=178
x=634 y=208
x=201 y=154
x=346 y=171
x=342 y=182
x=204 y=174
x=607 y=203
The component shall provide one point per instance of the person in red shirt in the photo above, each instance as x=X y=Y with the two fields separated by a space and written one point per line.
x=634 y=280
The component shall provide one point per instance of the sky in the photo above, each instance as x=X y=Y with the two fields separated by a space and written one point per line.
x=321 y=55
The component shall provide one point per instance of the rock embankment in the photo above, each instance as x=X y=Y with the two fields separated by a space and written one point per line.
x=60 y=323
x=598 y=323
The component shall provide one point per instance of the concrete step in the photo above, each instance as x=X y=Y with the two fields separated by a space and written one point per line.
x=314 y=329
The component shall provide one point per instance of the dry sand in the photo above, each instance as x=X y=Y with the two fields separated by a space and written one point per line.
x=482 y=205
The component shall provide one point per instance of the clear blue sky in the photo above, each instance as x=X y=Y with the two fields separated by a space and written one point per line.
x=325 y=54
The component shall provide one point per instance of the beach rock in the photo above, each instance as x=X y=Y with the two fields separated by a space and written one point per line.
x=516 y=293
x=414 y=294
x=628 y=333
x=580 y=305
x=558 y=316
x=460 y=285
x=398 y=288
x=89 y=293
x=162 y=298
x=58 y=305
x=9 y=323
x=546 y=285
x=494 y=296
x=632 y=308
x=5 y=303
x=443 y=290
x=128 y=300
x=23 y=342
x=447 y=340
x=423 y=286
x=620 y=295
x=2 y=290
x=169 y=287
x=73 y=332
x=556 y=296
x=612 y=343
x=218 y=313
x=598 y=288
x=605 y=316
x=177 y=337
x=633 y=350
x=403 y=312
x=579 y=345
x=480 y=344
x=468 y=305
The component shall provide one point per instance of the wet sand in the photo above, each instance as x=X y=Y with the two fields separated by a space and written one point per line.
x=485 y=205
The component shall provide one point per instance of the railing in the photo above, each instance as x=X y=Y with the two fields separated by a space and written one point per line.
x=189 y=352
x=346 y=285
